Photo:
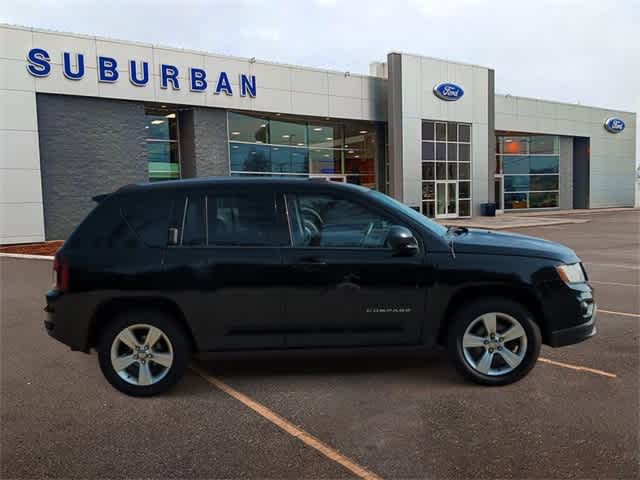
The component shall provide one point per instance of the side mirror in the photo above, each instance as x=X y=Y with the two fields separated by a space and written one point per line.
x=172 y=239
x=402 y=241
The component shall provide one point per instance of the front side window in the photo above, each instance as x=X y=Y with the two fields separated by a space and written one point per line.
x=323 y=220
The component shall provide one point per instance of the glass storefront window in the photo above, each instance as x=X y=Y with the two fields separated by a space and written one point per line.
x=288 y=133
x=544 y=144
x=245 y=128
x=277 y=145
x=530 y=166
x=446 y=159
x=163 y=153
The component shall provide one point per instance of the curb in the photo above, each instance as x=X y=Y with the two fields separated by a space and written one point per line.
x=26 y=256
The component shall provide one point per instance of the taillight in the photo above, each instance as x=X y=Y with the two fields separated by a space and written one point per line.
x=60 y=273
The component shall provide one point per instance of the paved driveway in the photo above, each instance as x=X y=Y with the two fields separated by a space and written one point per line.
x=391 y=416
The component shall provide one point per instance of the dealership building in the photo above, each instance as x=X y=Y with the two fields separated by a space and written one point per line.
x=83 y=115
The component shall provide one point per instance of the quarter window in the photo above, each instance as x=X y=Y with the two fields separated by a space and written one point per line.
x=328 y=221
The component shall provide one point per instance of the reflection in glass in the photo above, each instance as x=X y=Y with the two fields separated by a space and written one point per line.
x=325 y=161
x=465 y=189
x=541 y=144
x=246 y=128
x=250 y=158
x=428 y=190
x=543 y=182
x=516 y=183
x=428 y=170
x=441 y=132
x=465 y=208
x=464 y=133
x=452 y=152
x=544 y=164
x=513 y=165
x=543 y=200
x=464 y=171
x=428 y=151
x=515 y=200
x=441 y=171
x=452 y=171
x=287 y=133
x=464 y=152
x=441 y=151
x=452 y=132
x=428 y=131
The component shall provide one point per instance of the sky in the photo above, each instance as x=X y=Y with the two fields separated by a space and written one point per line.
x=579 y=51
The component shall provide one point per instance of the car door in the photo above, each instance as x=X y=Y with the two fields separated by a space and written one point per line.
x=344 y=286
x=227 y=267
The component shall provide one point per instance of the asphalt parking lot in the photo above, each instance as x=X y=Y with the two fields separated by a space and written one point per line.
x=394 y=416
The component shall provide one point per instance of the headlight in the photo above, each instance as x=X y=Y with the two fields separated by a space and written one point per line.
x=571 y=273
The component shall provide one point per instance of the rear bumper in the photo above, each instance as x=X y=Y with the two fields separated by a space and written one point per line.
x=575 y=334
x=61 y=326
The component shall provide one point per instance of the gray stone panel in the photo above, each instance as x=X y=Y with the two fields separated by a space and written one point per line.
x=88 y=146
x=211 y=147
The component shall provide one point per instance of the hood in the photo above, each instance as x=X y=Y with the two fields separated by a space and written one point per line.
x=503 y=243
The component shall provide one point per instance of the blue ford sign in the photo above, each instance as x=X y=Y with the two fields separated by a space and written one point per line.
x=109 y=70
x=614 y=124
x=448 y=91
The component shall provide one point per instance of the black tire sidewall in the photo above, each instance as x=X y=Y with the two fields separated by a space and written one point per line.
x=164 y=322
x=466 y=315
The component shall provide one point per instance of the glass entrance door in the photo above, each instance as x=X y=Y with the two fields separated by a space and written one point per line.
x=447 y=199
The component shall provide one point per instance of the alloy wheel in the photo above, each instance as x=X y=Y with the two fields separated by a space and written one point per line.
x=141 y=354
x=494 y=344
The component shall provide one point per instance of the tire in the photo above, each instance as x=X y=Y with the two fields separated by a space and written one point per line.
x=144 y=372
x=494 y=361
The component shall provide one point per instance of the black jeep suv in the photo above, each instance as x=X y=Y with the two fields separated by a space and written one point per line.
x=159 y=271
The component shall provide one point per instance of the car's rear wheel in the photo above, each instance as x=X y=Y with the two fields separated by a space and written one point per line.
x=143 y=353
x=494 y=341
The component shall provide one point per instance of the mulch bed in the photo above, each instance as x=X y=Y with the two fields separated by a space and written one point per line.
x=42 y=248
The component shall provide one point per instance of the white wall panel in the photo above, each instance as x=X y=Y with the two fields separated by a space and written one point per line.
x=14 y=76
x=18 y=110
x=56 y=44
x=19 y=149
x=21 y=222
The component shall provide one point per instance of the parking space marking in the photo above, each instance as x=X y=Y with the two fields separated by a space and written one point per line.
x=624 y=314
x=614 y=265
x=617 y=284
x=577 y=367
x=289 y=427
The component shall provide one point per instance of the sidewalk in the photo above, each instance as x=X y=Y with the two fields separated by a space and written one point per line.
x=501 y=222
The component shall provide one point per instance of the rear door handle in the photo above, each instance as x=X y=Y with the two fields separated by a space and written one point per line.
x=311 y=261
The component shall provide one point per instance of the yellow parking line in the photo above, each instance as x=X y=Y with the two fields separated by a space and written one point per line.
x=624 y=314
x=290 y=428
x=577 y=367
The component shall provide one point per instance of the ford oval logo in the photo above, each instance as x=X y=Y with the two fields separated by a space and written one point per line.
x=614 y=124
x=448 y=91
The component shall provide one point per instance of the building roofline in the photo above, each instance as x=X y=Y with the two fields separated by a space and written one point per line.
x=440 y=59
x=573 y=104
x=184 y=50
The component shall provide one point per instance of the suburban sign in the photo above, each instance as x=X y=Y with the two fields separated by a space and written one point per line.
x=108 y=71
x=614 y=124
x=448 y=91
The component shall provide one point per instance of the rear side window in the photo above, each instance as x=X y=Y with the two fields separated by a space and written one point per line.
x=242 y=219
x=104 y=227
x=148 y=216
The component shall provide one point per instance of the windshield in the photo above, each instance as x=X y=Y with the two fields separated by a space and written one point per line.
x=410 y=212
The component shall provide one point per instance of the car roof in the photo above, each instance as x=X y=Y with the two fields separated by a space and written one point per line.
x=199 y=182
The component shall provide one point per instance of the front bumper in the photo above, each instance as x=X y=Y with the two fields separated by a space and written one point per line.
x=571 y=335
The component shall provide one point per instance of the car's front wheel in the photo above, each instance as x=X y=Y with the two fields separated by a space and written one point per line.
x=494 y=341
x=143 y=353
